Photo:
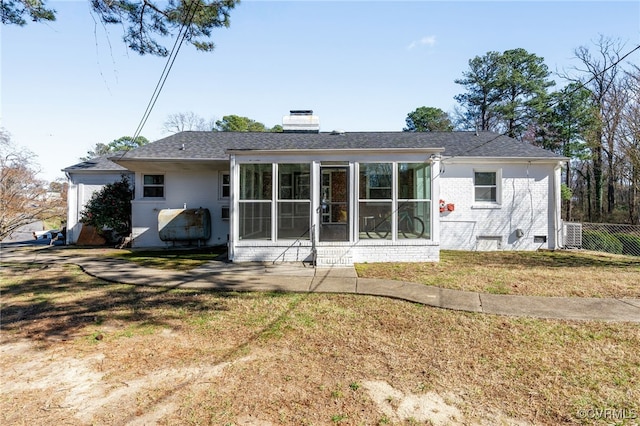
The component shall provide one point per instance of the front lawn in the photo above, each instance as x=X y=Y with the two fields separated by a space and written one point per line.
x=77 y=350
x=541 y=273
x=174 y=259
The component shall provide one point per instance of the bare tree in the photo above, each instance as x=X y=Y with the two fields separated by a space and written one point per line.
x=24 y=198
x=184 y=121
x=600 y=73
x=630 y=142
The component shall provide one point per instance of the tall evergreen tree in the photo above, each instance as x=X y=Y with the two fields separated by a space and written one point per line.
x=428 y=119
x=236 y=123
x=505 y=92
x=568 y=124
x=124 y=143
x=482 y=93
x=523 y=80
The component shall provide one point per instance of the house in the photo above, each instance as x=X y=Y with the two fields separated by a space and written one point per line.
x=84 y=179
x=342 y=197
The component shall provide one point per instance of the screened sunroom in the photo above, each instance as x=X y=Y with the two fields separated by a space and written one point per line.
x=334 y=208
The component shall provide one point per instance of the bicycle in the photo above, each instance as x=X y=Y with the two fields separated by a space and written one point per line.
x=408 y=225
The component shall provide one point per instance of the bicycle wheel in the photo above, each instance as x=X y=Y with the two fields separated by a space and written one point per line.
x=413 y=226
x=369 y=227
x=383 y=229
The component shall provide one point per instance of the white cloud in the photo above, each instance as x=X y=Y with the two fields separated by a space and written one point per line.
x=424 y=41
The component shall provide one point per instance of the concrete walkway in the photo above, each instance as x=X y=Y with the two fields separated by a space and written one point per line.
x=289 y=277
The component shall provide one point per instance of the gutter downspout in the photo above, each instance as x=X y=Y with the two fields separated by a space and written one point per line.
x=557 y=206
x=234 y=179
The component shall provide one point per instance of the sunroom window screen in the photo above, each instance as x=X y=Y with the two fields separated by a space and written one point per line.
x=375 y=181
x=294 y=201
x=375 y=184
x=414 y=201
x=255 y=181
x=254 y=217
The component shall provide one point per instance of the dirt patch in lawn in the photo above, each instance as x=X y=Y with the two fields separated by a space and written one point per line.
x=76 y=350
x=543 y=273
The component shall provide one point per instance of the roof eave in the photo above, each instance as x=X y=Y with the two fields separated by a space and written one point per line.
x=488 y=159
x=167 y=159
x=93 y=171
x=306 y=151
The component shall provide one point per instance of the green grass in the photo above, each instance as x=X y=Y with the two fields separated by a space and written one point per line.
x=180 y=260
x=309 y=356
x=541 y=273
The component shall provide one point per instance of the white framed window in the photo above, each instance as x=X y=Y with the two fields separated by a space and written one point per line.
x=375 y=200
x=224 y=213
x=396 y=195
x=255 y=201
x=225 y=185
x=414 y=200
x=153 y=186
x=486 y=186
x=293 y=201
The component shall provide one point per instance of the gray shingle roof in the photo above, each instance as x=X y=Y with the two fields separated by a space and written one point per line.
x=98 y=164
x=193 y=145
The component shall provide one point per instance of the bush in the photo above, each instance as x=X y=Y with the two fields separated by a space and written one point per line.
x=630 y=244
x=601 y=241
x=110 y=210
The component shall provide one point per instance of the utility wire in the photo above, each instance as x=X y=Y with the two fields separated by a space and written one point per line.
x=581 y=85
x=182 y=34
x=167 y=68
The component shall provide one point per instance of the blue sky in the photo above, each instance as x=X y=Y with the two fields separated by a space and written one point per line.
x=361 y=65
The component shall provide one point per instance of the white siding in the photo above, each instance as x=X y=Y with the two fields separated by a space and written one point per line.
x=80 y=190
x=193 y=189
x=526 y=202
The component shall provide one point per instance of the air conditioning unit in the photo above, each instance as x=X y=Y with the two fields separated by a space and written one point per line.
x=572 y=233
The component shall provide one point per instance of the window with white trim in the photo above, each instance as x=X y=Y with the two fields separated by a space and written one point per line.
x=414 y=200
x=255 y=201
x=225 y=185
x=294 y=201
x=486 y=186
x=153 y=186
x=375 y=200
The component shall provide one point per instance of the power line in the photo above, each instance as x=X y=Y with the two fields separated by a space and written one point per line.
x=583 y=85
x=182 y=34
x=580 y=85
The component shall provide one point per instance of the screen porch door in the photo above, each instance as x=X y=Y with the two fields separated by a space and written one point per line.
x=334 y=205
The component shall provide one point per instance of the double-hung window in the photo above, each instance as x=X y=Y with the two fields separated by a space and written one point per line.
x=153 y=186
x=225 y=185
x=486 y=186
x=224 y=191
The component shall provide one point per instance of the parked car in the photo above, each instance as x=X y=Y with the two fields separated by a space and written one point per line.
x=54 y=235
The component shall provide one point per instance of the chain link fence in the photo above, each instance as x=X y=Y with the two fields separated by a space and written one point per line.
x=605 y=237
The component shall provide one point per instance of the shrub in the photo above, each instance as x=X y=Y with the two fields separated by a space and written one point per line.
x=110 y=209
x=601 y=241
x=630 y=244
